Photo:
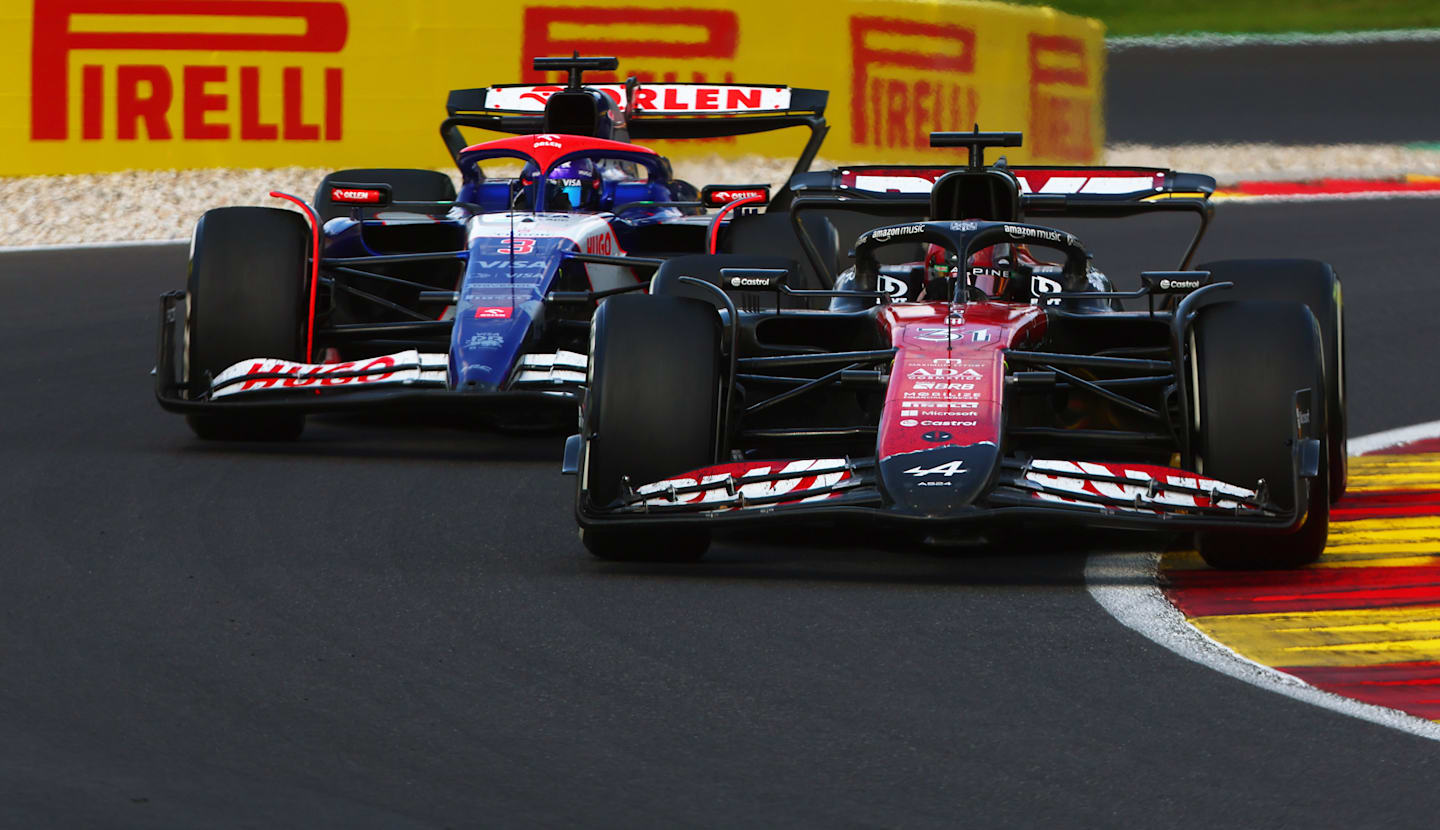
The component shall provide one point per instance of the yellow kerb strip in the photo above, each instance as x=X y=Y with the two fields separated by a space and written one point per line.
x=1395 y=472
x=1182 y=560
x=1364 y=637
x=1361 y=543
x=1409 y=534
x=1392 y=542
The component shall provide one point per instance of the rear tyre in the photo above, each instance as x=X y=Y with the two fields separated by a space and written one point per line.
x=650 y=412
x=246 y=297
x=1248 y=360
x=406 y=185
x=1316 y=285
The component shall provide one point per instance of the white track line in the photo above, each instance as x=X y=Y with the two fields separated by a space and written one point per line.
x=1125 y=585
x=1216 y=40
x=1390 y=437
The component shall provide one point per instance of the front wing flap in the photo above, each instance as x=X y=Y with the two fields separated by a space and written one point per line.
x=1113 y=495
x=405 y=380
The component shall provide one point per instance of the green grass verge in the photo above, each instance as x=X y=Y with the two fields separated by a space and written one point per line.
x=1165 y=17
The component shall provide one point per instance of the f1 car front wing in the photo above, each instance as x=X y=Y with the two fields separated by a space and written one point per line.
x=408 y=380
x=1109 y=495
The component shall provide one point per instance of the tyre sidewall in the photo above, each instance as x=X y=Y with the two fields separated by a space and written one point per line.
x=247 y=288
x=653 y=396
x=1250 y=357
x=1316 y=285
x=247 y=297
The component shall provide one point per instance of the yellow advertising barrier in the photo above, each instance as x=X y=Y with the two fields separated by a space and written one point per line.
x=98 y=85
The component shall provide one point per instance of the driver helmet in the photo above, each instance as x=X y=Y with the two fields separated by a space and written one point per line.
x=988 y=275
x=939 y=262
x=573 y=185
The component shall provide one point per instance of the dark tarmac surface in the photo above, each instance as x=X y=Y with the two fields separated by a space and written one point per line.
x=1383 y=93
x=389 y=627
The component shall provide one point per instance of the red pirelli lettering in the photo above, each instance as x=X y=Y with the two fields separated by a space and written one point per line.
x=198 y=102
x=295 y=127
x=1060 y=118
x=54 y=38
x=251 y=127
x=1074 y=72
x=92 y=85
x=131 y=107
x=890 y=112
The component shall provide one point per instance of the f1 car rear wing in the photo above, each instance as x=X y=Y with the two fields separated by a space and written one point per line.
x=902 y=193
x=651 y=111
x=1044 y=190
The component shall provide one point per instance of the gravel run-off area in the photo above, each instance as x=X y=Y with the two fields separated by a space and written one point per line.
x=153 y=205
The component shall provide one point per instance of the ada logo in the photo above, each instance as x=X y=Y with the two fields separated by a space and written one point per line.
x=937 y=436
x=949 y=468
x=932 y=374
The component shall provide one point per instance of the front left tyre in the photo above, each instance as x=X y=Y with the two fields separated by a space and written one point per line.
x=1248 y=360
x=1316 y=285
x=247 y=297
x=651 y=411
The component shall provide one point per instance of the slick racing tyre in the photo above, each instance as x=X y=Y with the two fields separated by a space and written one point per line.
x=651 y=411
x=1316 y=285
x=405 y=186
x=247 y=297
x=1247 y=361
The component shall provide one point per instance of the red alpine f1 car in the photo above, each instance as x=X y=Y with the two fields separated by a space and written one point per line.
x=972 y=370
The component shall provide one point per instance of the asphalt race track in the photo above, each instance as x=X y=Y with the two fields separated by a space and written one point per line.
x=1315 y=94
x=391 y=627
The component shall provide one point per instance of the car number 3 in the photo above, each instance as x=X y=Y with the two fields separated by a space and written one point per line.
x=516 y=246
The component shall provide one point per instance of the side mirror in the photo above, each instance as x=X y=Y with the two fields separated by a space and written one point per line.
x=720 y=195
x=1174 y=282
x=753 y=279
x=363 y=195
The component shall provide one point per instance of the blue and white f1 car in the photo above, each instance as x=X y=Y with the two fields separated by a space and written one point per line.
x=392 y=290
